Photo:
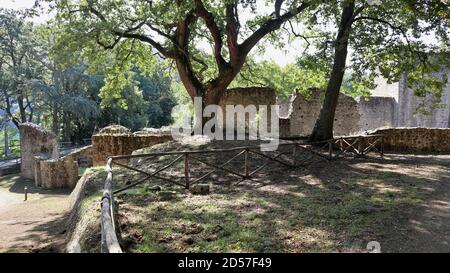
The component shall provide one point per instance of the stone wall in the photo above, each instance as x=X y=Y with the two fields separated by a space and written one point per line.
x=35 y=140
x=416 y=139
x=248 y=96
x=59 y=173
x=376 y=112
x=305 y=112
x=83 y=156
x=395 y=106
x=106 y=145
x=408 y=102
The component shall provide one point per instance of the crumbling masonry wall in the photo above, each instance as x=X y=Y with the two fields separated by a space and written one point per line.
x=376 y=112
x=61 y=172
x=351 y=117
x=248 y=96
x=416 y=139
x=105 y=145
x=408 y=102
x=305 y=111
x=35 y=140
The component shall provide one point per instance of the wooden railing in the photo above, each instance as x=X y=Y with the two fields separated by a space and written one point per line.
x=357 y=145
x=109 y=243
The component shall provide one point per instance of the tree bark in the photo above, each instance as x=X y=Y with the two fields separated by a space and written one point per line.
x=323 y=129
x=6 y=141
x=55 y=120
x=22 y=111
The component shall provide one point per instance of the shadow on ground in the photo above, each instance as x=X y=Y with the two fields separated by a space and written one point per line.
x=323 y=206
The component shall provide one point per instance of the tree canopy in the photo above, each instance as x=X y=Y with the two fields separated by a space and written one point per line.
x=195 y=35
x=37 y=85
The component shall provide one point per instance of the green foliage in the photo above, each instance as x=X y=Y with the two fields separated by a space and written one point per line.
x=285 y=80
x=20 y=62
x=61 y=90
x=148 y=99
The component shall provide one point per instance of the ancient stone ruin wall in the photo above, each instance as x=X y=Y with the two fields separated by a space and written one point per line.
x=82 y=155
x=395 y=106
x=105 y=145
x=248 y=96
x=376 y=112
x=58 y=173
x=416 y=139
x=305 y=112
x=35 y=140
x=61 y=172
x=408 y=102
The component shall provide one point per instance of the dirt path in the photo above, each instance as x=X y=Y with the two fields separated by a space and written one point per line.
x=34 y=225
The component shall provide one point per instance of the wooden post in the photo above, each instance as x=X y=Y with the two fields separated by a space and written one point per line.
x=382 y=146
x=26 y=192
x=186 y=170
x=360 y=146
x=246 y=158
x=330 y=150
x=294 y=152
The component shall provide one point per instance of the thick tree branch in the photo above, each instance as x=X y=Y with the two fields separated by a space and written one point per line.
x=278 y=4
x=184 y=66
x=129 y=33
x=268 y=27
x=232 y=32
x=215 y=33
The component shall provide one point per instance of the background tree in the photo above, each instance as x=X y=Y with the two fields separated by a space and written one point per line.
x=38 y=86
x=71 y=96
x=385 y=38
x=19 y=64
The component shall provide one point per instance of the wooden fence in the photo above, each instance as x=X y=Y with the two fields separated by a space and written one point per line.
x=329 y=150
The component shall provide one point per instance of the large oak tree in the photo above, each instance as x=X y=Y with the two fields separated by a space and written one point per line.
x=178 y=30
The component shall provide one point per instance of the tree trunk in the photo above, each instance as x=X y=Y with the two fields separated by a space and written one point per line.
x=323 y=129
x=211 y=97
x=6 y=141
x=23 y=114
x=55 y=120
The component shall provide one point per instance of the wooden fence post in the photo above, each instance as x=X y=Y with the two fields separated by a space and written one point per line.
x=294 y=152
x=186 y=169
x=360 y=146
x=330 y=150
x=246 y=159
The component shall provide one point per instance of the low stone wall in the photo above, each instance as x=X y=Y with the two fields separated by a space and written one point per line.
x=416 y=139
x=106 y=145
x=59 y=173
x=82 y=156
